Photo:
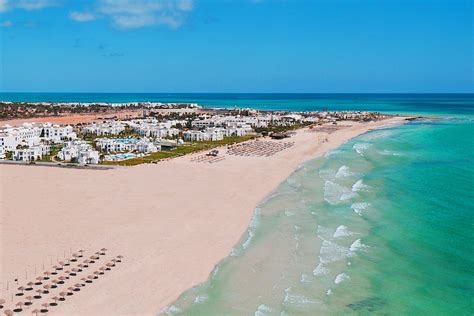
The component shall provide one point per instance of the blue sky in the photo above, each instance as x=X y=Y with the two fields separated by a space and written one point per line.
x=236 y=46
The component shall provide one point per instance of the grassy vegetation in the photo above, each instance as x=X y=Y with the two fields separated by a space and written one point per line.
x=54 y=151
x=182 y=150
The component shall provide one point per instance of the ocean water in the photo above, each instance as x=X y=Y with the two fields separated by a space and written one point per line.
x=382 y=225
x=426 y=104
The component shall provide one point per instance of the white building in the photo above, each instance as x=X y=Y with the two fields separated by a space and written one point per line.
x=79 y=151
x=210 y=134
x=57 y=133
x=11 y=137
x=106 y=128
x=31 y=153
x=2 y=152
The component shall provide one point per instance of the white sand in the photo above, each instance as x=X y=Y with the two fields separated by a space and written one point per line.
x=172 y=222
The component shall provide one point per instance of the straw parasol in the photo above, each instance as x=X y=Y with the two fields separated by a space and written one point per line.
x=30 y=300
x=39 y=279
x=47 y=273
x=38 y=296
x=18 y=305
x=80 y=265
x=55 y=303
x=30 y=286
x=61 y=264
x=78 y=285
x=97 y=273
x=61 y=279
x=55 y=284
x=92 y=259
x=119 y=257
x=103 y=250
x=75 y=270
x=46 y=287
x=35 y=311
x=62 y=294
x=101 y=270
x=86 y=263
x=21 y=288
x=2 y=301
x=90 y=277
x=70 y=289
x=8 y=312
x=45 y=309
x=74 y=256
x=81 y=252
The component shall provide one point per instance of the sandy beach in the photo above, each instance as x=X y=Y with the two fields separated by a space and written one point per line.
x=172 y=222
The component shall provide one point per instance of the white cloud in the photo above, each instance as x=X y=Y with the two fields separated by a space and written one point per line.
x=6 y=24
x=6 y=5
x=82 y=16
x=129 y=14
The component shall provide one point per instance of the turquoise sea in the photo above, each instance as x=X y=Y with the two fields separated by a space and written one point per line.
x=382 y=225
x=433 y=104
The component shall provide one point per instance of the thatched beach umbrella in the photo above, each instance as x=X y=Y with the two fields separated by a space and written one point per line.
x=61 y=279
x=18 y=309
x=69 y=292
x=47 y=273
x=119 y=257
x=30 y=300
x=75 y=270
x=2 y=301
x=103 y=250
x=63 y=296
x=97 y=273
x=101 y=270
x=35 y=311
x=92 y=259
x=21 y=288
x=45 y=308
x=80 y=267
x=61 y=265
x=46 y=287
x=81 y=253
x=79 y=285
x=86 y=263
x=30 y=286
x=55 y=299
x=90 y=277
x=74 y=257
x=38 y=296
x=39 y=279
x=8 y=312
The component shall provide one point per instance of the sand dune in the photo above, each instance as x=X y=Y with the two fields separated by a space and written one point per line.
x=172 y=221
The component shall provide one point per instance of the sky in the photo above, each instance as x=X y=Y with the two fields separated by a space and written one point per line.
x=287 y=46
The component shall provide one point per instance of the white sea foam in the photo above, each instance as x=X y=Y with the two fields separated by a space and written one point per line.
x=359 y=186
x=360 y=148
x=172 y=310
x=357 y=245
x=252 y=227
x=359 y=207
x=329 y=292
x=305 y=278
x=335 y=193
x=292 y=298
x=341 y=277
x=324 y=232
x=389 y=153
x=331 y=252
x=201 y=298
x=344 y=171
x=342 y=231
x=320 y=270
x=289 y=213
x=263 y=310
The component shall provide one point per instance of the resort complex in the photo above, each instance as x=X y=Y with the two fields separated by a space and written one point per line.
x=117 y=140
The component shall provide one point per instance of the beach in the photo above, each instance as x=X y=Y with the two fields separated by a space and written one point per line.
x=172 y=222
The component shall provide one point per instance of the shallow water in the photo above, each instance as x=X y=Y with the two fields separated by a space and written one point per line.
x=381 y=225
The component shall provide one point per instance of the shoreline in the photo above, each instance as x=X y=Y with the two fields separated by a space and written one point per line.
x=211 y=205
